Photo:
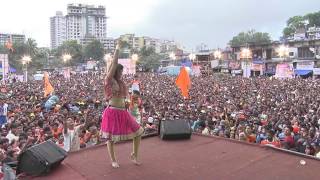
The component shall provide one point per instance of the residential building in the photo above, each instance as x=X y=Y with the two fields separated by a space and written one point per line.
x=110 y=44
x=168 y=46
x=154 y=43
x=160 y=45
x=138 y=43
x=82 y=23
x=129 y=38
x=86 y=21
x=14 y=38
x=58 y=29
x=301 y=54
x=313 y=33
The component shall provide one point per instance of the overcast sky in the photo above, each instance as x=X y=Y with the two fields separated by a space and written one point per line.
x=190 y=22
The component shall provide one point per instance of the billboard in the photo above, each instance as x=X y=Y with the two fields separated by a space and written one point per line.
x=4 y=61
x=284 y=70
x=307 y=65
x=234 y=65
x=214 y=63
x=129 y=66
x=91 y=64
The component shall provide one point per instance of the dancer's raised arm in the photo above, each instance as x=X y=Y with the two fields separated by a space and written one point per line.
x=113 y=66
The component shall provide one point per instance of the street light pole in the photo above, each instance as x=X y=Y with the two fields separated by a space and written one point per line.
x=25 y=61
x=217 y=55
x=173 y=57
x=246 y=53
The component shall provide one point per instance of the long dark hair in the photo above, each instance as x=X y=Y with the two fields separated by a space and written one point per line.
x=119 y=68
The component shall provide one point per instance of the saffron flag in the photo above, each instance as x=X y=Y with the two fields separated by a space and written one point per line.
x=48 y=89
x=183 y=82
x=9 y=45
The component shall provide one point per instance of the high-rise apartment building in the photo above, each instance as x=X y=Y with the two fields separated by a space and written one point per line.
x=83 y=23
x=58 y=29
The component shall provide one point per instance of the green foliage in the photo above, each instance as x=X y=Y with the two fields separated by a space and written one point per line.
x=41 y=59
x=125 y=50
x=94 y=50
x=149 y=59
x=296 y=22
x=313 y=18
x=250 y=37
x=70 y=47
x=32 y=48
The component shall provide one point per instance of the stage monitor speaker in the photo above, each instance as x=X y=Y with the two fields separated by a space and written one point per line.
x=175 y=129
x=40 y=159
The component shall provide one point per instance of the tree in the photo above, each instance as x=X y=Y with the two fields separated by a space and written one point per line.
x=94 y=50
x=250 y=37
x=73 y=48
x=149 y=59
x=313 y=19
x=126 y=49
x=293 y=24
x=296 y=22
x=19 y=50
x=40 y=60
x=31 y=47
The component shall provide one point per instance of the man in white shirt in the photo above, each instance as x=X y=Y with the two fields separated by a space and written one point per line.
x=71 y=135
x=11 y=136
x=5 y=109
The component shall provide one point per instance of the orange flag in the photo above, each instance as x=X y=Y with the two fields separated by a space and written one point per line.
x=183 y=82
x=9 y=45
x=48 y=89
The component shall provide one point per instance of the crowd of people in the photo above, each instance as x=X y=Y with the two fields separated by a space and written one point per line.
x=262 y=110
x=281 y=113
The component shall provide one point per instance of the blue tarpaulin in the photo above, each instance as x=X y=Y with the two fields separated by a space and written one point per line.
x=10 y=69
x=258 y=61
x=302 y=72
x=174 y=70
x=186 y=62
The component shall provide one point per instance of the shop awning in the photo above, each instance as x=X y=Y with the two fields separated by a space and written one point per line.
x=302 y=72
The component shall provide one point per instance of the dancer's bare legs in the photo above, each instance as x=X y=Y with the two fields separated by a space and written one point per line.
x=111 y=152
x=136 y=145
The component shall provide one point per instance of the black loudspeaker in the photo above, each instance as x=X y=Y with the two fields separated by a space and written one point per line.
x=40 y=159
x=175 y=129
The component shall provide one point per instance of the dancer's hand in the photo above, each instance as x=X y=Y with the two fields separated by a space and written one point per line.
x=119 y=45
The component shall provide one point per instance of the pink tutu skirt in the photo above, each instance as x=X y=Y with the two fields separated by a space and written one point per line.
x=118 y=124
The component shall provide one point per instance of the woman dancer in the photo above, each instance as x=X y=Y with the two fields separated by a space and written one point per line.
x=117 y=123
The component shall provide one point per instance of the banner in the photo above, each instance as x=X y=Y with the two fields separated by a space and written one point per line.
x=19 y=78
x=284 y=70
x=246 y=68
x=224 y=64
x=234 y=65
x=66 y=73
x=257 y=67
x=236 y=71
x=91 y=64
x=316 y=71
x=271 y=68
x=214 y=63
x=196 y=70
x=4 y=65
x=129 y=66
x=307 y=65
